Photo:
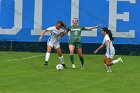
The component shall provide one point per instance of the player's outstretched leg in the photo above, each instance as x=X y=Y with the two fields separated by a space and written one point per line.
x=117 y=60
x=109 y=62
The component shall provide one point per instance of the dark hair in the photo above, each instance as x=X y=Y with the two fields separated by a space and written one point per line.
x=62 y=23
x=76 y=19
x=108 y=31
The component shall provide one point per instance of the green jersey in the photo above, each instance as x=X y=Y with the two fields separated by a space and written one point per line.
x=75 y=33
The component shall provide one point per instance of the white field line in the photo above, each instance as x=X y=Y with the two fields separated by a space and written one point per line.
x=25 y=58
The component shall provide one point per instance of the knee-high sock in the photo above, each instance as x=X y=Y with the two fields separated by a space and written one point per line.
x=47 y=56
x=72 y=59
x=82 y=60
x=108 y=68
x=61 y=59
x=115 y=61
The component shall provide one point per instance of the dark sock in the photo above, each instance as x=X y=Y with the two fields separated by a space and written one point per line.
x=72 y=59
x=82 y=60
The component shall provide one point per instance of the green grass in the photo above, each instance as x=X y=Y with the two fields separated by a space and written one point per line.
x=31 y=76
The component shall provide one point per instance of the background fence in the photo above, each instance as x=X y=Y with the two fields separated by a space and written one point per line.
x=121 y=49
x=22 y=21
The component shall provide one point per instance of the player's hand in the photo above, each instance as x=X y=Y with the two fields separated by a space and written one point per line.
x=98 y=25
x=40 y=38
x=95 y=51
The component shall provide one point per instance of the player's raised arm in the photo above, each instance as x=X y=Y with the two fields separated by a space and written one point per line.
x=40 y=38
x=66 y=31
x=61 y=35
x=93 y=27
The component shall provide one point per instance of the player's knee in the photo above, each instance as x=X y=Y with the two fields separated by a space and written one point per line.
x=60 y=54
x=108 y=64
x=80 y=56
x=49 y=51
x=71 y=52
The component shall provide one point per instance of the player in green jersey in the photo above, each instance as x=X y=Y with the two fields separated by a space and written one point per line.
x=75 y=41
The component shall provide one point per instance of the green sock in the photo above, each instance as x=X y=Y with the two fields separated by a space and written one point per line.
x=72 y=59
x=82 y=60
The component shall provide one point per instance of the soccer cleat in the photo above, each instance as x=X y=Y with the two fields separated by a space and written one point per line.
x=46 y=63
x=64 y=65
x=108 y=71
x=120 y=59
x=73 y=66
x=82 y=67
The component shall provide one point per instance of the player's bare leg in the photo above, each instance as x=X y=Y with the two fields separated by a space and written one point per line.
x=117 y=61
x=59 y=52
x=105 y=59
x=79 y=51
x=71 y=48
x=107 y=69
x=108 y=64
x=49 y=49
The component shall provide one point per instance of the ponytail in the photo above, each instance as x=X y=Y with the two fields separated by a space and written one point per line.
x=110 y=35
x=108 y=31
x=62 y=24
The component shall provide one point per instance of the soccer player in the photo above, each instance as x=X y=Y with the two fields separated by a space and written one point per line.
x=56 y=31
x=110 y=51
x=75 y=40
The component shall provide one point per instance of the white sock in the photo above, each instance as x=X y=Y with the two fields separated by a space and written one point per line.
x=47 y=56
x=115 y=61
x=108 y=68
x=61 y=59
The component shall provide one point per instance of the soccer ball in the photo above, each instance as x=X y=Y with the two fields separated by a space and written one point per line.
x=59 y=67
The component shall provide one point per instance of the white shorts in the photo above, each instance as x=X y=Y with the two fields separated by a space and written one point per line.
x=111 y=54
x=55 y=45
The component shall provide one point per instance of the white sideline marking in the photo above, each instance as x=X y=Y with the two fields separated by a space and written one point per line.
x=25 y=58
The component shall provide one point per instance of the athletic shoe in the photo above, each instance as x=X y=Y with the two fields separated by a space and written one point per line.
x=73 y=66
x=46 y=63
x=120 y=59
x=82 y=67
x=64 y=65
x=108 y=71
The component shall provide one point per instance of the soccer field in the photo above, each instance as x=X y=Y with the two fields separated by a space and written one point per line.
x=24 y=72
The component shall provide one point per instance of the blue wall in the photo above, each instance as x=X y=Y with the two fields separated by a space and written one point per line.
x=90 y=13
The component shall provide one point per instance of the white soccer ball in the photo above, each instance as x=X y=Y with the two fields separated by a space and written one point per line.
x=59 y=67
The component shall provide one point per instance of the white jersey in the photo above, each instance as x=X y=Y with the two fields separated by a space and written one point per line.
x=54 y=34
x=109 y=53
x=106 y=38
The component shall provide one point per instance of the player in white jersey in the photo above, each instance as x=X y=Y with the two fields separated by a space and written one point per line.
x=56 y=31
x=110 y=51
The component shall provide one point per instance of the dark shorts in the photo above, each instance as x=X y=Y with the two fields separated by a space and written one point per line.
x=76 y=44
